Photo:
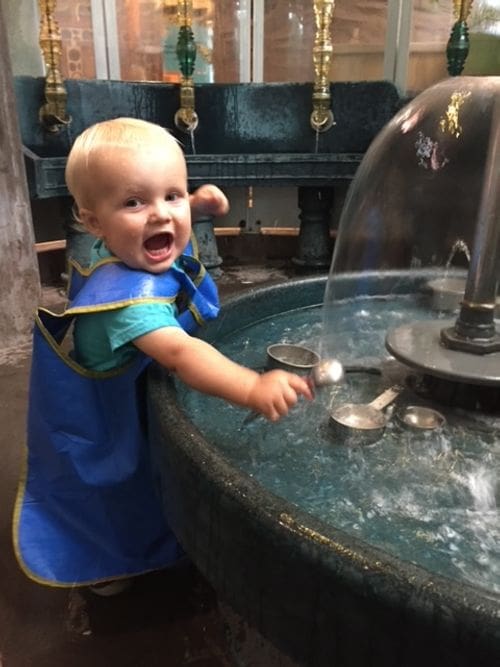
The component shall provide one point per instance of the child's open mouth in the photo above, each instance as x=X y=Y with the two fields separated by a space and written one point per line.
x=158 y=246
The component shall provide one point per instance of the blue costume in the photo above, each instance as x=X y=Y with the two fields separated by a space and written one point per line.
x=87 y=509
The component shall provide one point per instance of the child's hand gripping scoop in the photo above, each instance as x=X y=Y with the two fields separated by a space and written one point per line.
x=325 y=372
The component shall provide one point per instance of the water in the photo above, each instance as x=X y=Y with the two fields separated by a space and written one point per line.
x=193 y=145
x=458 y=246
x=430 y=498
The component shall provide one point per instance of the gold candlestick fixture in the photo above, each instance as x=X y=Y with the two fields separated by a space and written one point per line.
x=322 y=116
x=186 y=118
x=52 y=114
x=461 y=9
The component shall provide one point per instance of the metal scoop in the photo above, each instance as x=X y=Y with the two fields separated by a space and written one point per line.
x=420 y=417
x=290 y=357
x=326 y=372
x=362 y=423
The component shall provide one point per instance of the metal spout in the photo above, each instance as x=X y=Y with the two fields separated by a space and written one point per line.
x=186 y=118
x=52 y=113
x=322 y=116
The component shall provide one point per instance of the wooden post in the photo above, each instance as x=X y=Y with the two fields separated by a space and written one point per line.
x=19 y=278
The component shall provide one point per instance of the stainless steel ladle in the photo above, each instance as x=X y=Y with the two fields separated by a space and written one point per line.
x=363 y=423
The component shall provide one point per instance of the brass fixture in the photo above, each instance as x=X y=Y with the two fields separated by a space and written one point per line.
x=186 y=118
x=52 y=114
x=322 y=116
x=461 y=9
x=457 y=48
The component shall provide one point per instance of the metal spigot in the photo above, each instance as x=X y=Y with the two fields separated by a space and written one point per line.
x=186 y=118
x=322 y=116
x=52 y=113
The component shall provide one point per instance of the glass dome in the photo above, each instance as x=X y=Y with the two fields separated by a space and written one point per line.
x=418 y=215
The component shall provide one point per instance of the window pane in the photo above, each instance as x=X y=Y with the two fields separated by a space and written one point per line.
x=148 y=33
x=288 y=41
x=484 y=54
x=431 y=25
x=231 y=30
x=358 y=32
x=141 y=29
x=75 y=23
x=145 y=38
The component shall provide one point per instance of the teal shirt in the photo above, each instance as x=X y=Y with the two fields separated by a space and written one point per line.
x=103 y=340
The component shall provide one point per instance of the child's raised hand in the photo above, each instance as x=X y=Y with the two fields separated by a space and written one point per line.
x=208 y=200
x=275 y=392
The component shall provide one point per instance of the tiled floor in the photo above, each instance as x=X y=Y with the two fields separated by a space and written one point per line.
x=168 y=619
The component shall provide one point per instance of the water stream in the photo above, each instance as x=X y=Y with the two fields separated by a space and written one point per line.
x=458 y=246
x=193 y=145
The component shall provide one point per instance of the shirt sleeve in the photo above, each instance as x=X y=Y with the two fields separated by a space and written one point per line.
x=103 y=340
x=130 y=322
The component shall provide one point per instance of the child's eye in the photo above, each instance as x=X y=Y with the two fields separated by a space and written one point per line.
x=133 y=202
x=172 y=196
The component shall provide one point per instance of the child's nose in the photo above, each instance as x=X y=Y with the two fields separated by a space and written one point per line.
x=161 y=210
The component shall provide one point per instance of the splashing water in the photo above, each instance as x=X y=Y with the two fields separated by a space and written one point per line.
x=458 y=246
x=430 y=498
x=482 y=483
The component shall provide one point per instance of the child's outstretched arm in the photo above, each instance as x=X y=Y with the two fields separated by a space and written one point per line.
x=202 y=367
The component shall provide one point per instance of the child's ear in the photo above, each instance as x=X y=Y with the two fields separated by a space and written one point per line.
x=90 y=221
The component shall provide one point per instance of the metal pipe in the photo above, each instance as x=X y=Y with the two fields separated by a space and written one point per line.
x=474 y=330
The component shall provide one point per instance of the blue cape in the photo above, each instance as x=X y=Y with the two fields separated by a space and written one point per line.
x=87 y=508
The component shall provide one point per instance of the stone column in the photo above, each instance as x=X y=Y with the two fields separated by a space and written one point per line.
x=315 y=244
x=19 y=278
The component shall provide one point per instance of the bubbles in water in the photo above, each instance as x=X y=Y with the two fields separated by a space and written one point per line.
x=481 y=484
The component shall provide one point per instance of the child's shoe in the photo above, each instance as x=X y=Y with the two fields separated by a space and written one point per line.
x=113 y=587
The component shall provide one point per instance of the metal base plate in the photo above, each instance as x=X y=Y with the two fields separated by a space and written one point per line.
x=419 y=345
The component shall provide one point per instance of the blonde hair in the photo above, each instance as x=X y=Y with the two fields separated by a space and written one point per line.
x=91 y=143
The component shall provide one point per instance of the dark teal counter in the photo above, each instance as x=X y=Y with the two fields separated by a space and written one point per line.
x=248 y=134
